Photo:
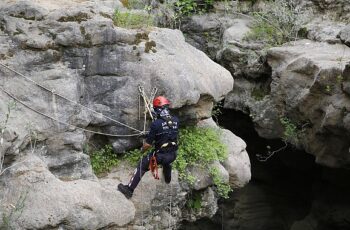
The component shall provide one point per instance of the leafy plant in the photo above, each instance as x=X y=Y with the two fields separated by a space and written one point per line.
x=132 y=20
x=216 y=111
x=185 y=8
x=195 y=201
x=279 y=22
x=291 y=131
x=133 y=156
x=103 y=160
x=223 y=189
x=133 y=4
x=199 y=147
x=328 y=89
x=340 y=79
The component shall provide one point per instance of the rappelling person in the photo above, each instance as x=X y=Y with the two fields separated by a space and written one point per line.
x=163 y=136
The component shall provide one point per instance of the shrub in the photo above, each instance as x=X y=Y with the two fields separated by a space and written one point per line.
x=291 y=131
x=133 y=4
x=195 y=201
x=133 y=156
x=279 y=22
x=103 y=160
x=189 y=7
x=132 y=20
x=223 y=189
x=200 y=147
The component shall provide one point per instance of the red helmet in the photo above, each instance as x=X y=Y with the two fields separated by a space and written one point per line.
x=160 y=101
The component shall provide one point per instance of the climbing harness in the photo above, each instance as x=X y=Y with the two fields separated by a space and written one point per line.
x=153 y=166
x=73 y=102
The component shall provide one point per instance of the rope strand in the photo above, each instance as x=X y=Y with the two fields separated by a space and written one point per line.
x=63 y=122
x=71 y=101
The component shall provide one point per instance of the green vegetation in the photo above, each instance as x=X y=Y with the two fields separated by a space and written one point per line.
x=133 y=4
x=195 y=201
x=103 y=160
x=279 y=22
x=340 y=79
x=291 y=131
x=259 y=93
x=328 y=89
x=223 y=188
x=216 y=111
x=185 y=8
x=132 y=20
x=200 y=147
x=133 y=157
x=14 y=213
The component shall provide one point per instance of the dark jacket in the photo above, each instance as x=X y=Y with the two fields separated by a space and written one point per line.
x=161 y=133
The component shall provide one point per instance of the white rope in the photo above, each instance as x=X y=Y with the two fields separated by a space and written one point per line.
x=170 y=204
x=63 y=122
x=71 y=101
x=265 y=158
x=146 y=101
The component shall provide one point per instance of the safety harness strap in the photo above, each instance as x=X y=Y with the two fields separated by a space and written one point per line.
x=153 y=166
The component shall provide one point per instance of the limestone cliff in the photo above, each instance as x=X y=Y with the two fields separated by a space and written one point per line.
x=67 y=59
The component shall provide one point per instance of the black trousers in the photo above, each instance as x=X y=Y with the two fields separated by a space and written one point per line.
x=163 y=158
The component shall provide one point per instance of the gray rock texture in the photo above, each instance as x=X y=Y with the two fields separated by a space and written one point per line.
x=339 y=9
x=237 y=164
x=307 y=87
x=344 y=35
x=72 y=49
x=288 y=80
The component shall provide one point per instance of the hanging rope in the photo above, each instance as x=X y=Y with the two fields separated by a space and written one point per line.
x=71 y=101
x=63 y=122
x=263 y=158
x=147 y=101
x=170 y=205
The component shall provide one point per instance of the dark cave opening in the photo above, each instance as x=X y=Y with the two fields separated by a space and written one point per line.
x=286 y=189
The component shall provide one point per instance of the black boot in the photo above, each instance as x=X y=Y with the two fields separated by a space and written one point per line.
x=126 y=190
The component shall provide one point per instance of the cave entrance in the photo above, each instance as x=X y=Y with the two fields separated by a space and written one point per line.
x=280 y=191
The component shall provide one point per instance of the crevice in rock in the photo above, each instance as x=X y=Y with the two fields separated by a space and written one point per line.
x=288 y=192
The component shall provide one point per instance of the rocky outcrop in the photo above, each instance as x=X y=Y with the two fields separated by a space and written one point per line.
x=32 y=197
x=237 y=163
x=302 y=83
x=162 y=206
x=75 y=51
x=344 y=35
x=308 y=88
x=338 y=9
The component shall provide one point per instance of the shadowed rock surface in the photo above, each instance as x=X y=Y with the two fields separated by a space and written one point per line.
x=73 y=49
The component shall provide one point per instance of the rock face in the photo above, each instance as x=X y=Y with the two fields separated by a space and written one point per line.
x=344 y=35
x=334 y=8
x=302 y=84
x=73 y=51
x=307 y=87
